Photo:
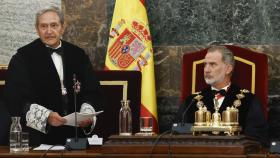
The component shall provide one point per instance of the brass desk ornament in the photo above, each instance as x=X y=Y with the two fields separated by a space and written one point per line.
x=227 y=124
x=216 y=118
x=202 y=115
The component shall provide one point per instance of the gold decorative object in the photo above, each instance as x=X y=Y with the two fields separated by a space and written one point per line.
x=202 y=117
x=199 y=103
x=230 y=117
x=217 y=124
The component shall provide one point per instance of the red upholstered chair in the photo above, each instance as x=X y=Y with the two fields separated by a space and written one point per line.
x=3 y=70
x=251 y=72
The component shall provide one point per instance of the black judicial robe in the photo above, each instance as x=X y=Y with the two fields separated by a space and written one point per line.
x=32 y=78
x=251 y=117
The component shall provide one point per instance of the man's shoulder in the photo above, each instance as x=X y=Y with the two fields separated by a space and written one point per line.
x=238 y=90
x=68 y=45
x=31 y=46
x=243 y=94
x=30 y=49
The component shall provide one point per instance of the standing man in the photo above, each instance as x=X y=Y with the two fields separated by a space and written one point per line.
x=218 y=68
x=39 y=85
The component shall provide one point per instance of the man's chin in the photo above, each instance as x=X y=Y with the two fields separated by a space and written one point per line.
x=209 y=82
x=51 y=44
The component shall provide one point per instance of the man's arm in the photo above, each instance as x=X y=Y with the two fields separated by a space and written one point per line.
x=17 y=91
x=19 y=98
x=256 y=125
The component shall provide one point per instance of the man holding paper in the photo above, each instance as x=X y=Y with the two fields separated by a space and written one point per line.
x=39 y=85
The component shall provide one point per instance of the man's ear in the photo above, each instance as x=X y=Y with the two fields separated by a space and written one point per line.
x=229 y=69
x=63 y=29
x=63 y=26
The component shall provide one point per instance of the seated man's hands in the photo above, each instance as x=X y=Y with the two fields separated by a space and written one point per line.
x=55 y=119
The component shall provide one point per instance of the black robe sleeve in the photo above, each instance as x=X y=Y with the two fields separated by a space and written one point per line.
x=256 y=125
x=17 y=91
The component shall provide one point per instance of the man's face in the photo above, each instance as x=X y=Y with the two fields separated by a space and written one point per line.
x=50 y=29
x=216 y=72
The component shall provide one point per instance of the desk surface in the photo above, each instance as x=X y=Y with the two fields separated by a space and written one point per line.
x=145 y=147
x=144 y=152
x=91 y=152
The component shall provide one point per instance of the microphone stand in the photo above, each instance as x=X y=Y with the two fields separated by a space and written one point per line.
x=76 y=89
x=76 y=143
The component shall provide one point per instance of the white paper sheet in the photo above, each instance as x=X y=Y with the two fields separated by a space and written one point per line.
x=49 y=147
x=80 y=117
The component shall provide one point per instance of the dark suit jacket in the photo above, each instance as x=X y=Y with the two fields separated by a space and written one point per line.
x=32 y=78
x=251 y=117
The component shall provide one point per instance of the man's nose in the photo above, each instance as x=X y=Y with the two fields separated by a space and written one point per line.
x=206 y=68
x=49 y=29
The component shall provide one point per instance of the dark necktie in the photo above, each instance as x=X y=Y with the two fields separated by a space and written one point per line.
x=58 y=50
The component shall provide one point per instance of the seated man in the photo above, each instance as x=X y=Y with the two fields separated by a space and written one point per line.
x=218 y=68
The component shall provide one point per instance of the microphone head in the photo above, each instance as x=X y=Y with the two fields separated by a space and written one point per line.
x=182 y=129
x=74 y=78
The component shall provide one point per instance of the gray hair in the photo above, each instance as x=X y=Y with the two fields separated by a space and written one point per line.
x=50 y=9
x=227 y=55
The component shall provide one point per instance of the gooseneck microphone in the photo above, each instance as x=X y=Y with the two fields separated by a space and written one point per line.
x=182 y=127
x=76 y=143
x=76 y=89
x=186 y=110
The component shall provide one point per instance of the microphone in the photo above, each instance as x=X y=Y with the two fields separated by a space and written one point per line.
x=182 y=127
x=76 y=143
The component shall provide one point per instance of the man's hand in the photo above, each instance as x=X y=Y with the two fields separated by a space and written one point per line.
x=85 y=123
x=55 y=119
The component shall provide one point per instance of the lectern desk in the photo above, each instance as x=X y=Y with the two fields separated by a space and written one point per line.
x=167 y=146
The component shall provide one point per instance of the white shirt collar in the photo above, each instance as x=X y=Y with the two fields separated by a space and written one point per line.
x=57 y=46
x=225 y=88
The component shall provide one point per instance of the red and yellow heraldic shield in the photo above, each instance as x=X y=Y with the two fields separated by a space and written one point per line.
x=130 y=48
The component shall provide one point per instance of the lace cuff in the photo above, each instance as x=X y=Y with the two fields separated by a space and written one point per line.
x=87 y=108
x=37 y=117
